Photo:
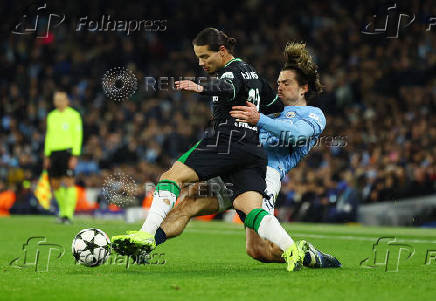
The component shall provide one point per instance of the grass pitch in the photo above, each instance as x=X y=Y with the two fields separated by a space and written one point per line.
x=208 y=262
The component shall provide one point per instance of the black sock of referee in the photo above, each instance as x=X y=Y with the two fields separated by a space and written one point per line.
x=160 y=236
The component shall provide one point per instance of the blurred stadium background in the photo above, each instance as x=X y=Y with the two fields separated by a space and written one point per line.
x=379 y=101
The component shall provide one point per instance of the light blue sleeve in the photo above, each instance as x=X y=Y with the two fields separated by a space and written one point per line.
x=302 y=128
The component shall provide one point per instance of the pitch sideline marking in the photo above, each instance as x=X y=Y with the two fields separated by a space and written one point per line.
x=340 y=237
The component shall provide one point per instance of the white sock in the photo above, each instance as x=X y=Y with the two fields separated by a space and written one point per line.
x=158 y=210
x=271 y=230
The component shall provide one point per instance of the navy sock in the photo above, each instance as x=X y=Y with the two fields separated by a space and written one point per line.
x=160 y=236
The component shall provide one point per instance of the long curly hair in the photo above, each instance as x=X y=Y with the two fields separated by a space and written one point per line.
x=298 y=59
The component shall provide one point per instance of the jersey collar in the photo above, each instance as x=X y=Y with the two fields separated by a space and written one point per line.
x=233 y=60
x=294 y=108
x=288 y=109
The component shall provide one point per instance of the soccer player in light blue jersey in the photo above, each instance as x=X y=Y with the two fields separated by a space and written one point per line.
x=287 y=138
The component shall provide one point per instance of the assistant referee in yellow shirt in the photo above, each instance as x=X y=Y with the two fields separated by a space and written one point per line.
x=63 y=142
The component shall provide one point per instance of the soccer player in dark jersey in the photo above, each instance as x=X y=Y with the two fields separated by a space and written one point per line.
x=298 y=83
x=231 y=151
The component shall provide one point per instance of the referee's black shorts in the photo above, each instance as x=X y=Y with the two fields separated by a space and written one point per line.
x=241 y=164
x=59 y=164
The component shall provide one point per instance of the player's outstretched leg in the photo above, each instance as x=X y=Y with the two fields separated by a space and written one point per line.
x=135 y=243
x=268 y=227
x=190 y=205
x=268 y=252
x=164 y=198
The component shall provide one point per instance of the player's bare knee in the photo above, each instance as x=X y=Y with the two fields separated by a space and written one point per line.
x=168 y=175
x=239 y=205
x=248 y=201
x=173 y=175
x=180 y=173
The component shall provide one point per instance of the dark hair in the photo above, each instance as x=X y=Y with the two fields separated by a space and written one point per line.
x=299 y=60
x=214 y=38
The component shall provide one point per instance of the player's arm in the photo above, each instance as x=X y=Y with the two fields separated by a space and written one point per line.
x=269 y=100
x=299 y=128
x=48 y=137
x=227 y=87
x=77 y=133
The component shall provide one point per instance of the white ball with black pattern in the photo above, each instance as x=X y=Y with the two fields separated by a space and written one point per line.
x=91 y=247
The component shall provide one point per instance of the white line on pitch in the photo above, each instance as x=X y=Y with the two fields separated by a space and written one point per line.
x=320 y=236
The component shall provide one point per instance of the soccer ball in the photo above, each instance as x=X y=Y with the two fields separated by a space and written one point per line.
x=91 y=247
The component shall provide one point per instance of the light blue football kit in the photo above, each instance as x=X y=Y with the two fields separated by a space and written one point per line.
x=287 y=138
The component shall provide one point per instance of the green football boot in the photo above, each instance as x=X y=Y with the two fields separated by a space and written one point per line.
x=294 y=255
x=134 y=243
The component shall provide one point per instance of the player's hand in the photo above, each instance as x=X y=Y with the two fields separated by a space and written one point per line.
x=188 y=85
x=72 y=163
x=46 y=164
x=248 y=114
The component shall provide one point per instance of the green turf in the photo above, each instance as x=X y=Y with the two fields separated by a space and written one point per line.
x=208 y=262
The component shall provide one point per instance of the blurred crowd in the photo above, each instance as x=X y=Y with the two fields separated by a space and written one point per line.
x=379 y=95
